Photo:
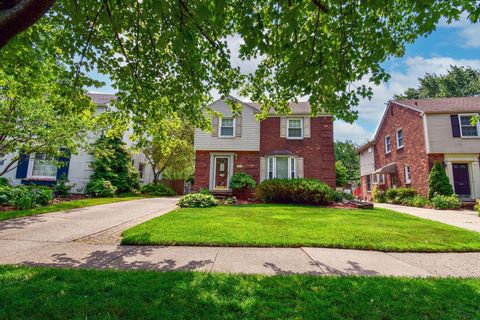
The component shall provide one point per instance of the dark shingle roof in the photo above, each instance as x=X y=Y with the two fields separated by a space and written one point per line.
x=101 y=99
x=443 y=105
x=302 y=107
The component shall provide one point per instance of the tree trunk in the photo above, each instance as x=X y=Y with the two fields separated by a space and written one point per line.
x=17 y=15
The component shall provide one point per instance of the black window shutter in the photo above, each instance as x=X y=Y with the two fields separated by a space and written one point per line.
x=22 y=166
x=65 y=160
x=455 y=125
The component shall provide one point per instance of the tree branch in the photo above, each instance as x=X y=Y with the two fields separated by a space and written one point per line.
x=323 y=7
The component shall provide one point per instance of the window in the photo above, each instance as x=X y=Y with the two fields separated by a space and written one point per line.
x=44 y=166
x=369 y=184
x=227 y=127
x=295 y=128
x=281 y=168
x=399 y=138
x=388 y=144
x=408 y=177
x=378 y=178
x=466 y=127
x=141 y=169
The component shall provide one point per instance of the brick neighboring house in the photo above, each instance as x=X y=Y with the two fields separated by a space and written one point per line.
x=292 y=146
x=412 y=135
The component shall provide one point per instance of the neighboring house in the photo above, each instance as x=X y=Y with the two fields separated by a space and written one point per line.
x=413 y=134
x=40 y=169
x=292 y=146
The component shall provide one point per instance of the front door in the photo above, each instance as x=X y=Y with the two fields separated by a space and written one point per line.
x=461 y=179
x=221 y=173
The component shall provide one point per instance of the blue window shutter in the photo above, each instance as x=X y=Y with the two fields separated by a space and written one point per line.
x=22 y=167
x=65 y=164
x=455 y=125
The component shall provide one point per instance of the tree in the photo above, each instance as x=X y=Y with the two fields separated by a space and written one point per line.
x=346 y=152
x=113 y=163
x=341 y=174
x=438 y=182
x=43 y=108
x=165 y=57
x=457 y=82
x=169 y=150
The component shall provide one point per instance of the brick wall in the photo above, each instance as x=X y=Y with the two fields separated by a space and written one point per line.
x=366 y=195
x=413 y=153
x=243 y=161
x=317 y=151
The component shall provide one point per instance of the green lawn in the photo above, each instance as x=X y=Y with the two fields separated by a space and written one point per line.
x=294 y=226
x=38 y=293
x=63 y=206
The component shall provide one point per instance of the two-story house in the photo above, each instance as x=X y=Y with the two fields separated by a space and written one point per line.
x=413 y=134
x=41 y=169
x=293 y=146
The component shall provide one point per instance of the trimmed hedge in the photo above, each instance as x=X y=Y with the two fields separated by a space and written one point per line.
x=157 y=190
x=301 y=191
x=198 y=200
x=440 y=201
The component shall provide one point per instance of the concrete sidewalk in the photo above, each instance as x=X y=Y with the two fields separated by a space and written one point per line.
x=467 y=219
x=89 y=237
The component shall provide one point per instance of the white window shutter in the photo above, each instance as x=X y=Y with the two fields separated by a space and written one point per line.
x=306 y=127
x=215 y=127
x=238 y=126
x=283 y=127
x=263 y=168
x=299 y=167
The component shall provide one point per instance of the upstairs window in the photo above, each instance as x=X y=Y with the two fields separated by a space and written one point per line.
x=227 y=127
x=388 y=144
x=141 y=170
x=44 y=166
x=466 y=127
x=399 y=138
x=295 y=128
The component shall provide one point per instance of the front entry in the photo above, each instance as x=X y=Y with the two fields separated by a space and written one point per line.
x=461 y=180
x=221 y=174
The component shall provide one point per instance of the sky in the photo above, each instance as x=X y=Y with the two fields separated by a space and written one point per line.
x=451 y=44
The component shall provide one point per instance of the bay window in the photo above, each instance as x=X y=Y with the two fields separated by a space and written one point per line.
x=281 y=168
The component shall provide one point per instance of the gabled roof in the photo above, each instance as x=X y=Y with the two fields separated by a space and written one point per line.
x=302 y=107
x=101 y=99
x=443 y=105
x=365 y=146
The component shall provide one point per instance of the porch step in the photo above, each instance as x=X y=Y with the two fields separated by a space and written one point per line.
x=468 y=203
x=222 y=195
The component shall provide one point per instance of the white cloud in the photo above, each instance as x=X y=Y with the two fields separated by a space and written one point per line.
x=347 y=131
x=468 y=31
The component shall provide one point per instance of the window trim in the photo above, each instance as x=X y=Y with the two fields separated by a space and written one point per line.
x=375 y=178
x=141 y=173
x=390 y=144
x=301 y=129
x=220 y=127
x=408 y=177
x=31 y=163
x=368 y=183
x=291 y=161
x=398 y=143
x=460 y=125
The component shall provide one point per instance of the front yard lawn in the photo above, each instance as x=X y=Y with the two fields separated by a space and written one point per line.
x=39 y=293
x=62 y=206
x=295 y=226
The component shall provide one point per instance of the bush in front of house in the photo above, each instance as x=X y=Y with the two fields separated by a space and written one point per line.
x=477 y=206
x=157 y=190
x=301 y=191
x=379 y=196
x=204 y=191
x=25 y=197
x=438 y=182
x=416 y=201
x=63 y=187
x=100 y=188
x=198 y=200
x=440 y=201
x=339 y=196
x=242 y=180
x=391 y=194
x=4 y=182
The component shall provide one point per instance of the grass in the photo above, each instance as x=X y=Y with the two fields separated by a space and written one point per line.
x=68 y=205
x=295 y=226
x=39 y=293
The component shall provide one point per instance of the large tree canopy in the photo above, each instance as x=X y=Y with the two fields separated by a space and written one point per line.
x=166 y=56
x=457 y=82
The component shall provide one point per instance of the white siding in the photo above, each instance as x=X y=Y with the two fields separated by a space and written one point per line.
x=367 y=163
x=441 y=140
x=249 y=141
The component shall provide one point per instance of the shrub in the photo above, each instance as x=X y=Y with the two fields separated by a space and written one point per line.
x=157 y=190
x=440 y=201
x=379 y=196
x=24 y=202
x=100 y=188
x=242 y=180
x=341 y=195
x=391 y=194
x=4 y=182
x=40 y=195
x=302 y=191
x=438 y=182
x=62 y=188
x=6 y=195
x=23 y=197
x=416 y=201
x=197 y=200
x=405 y=193
x=204 y=191
x=477 y=206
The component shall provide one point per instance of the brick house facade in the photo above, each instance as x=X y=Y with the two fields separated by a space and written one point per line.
x=277 y=147
x=412 y=135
